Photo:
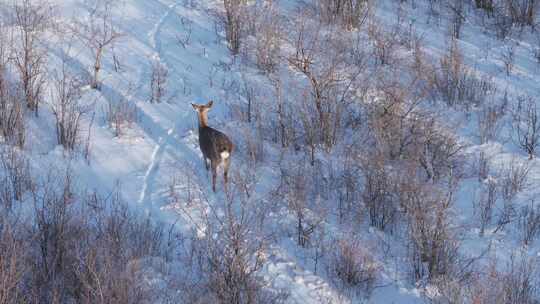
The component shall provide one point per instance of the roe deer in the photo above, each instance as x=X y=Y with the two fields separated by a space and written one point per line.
x=215 y=145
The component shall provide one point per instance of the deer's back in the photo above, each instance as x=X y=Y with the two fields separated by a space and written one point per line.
x=213 y=143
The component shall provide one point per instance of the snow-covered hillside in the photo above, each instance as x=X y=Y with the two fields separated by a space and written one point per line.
x=382 y=155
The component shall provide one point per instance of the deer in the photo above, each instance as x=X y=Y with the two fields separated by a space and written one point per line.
x=215 y=145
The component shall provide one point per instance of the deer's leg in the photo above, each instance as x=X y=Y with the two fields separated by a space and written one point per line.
x=226 y=164
x=205 y=162
x=214 y=173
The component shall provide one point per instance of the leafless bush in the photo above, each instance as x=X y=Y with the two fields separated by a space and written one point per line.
x=104 y=266
x=322 y=58
x=456 y=84
x=349 y=191
x=502 y=23
x=268 y=38
x=158 y=82
x=15 y=177
x=12 y=266
x=120 y=115
x=296 y=189
x=529 y=223
x=401 y=130
x=514 y=283
x=507 y=58
x=482 y=166
x=99 y=34
x=385 y=43
x=484 y=4
x=458 y=17
x=54 y=226
x=486 y=202
x=378 y=194
x=352 y=266
x=348 y=13
x=526 y=124
x=513 y=179
x=12 y=121
x=523 y=12
x=433 y=245
x=32 y=19
x=232 y=253
x=234 y=11
x=489 y=120
x=439 y=152
x=67 y=107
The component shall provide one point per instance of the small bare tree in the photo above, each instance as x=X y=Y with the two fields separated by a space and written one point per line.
x=485 y=204
x=353 y=266
x=12 y=266
x=67 y=108
x=529 y=223
x=526 y=124
x=233 y=23
x=99 y=34
x=12 y=120
x=348 y=13
x=32 y=19
x=158 y=82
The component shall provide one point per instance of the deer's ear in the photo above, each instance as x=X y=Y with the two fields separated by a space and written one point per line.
x=210 y=103
x=196 y=107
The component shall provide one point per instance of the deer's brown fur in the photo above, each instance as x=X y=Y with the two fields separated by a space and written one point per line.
x=215 y=146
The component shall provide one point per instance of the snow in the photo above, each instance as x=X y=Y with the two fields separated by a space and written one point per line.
x=161 y=148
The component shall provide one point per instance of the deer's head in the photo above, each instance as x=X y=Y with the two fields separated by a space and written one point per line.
x=202 y=111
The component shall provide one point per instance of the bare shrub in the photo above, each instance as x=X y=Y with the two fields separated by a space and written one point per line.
x=508 y=56
x=526 y=124
x=401 y=130
x=439 y=151
x=12 y=266
x=484 y=4
x=433 y=244
x=54 y=227
x=234 y=11
x=529 y=223
x=456 y=84
x=489 y=118
x=296 y=189
x=352 y=266
x=486 y=202
x=158 y=82
x=67 y=107
x=458 y=17
x=232 y=254
x=481 y=166
x=514 y=283
x=121 y=115
x=104 y=266
x=32 y=19
x=322 y=58
x=523 y=12
x=268 y=38
x=15 y=176
x=99 y=34
x=12 y=121
x=385 y=43
x=513 y=179
x=378 y=194
x=348 y=13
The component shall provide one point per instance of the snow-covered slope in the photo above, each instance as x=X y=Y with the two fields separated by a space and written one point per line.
x=157 y=167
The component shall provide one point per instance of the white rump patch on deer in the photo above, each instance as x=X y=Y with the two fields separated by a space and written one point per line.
x=225 y=155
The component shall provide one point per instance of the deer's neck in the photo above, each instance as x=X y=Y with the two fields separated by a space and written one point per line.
x=203 y=120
